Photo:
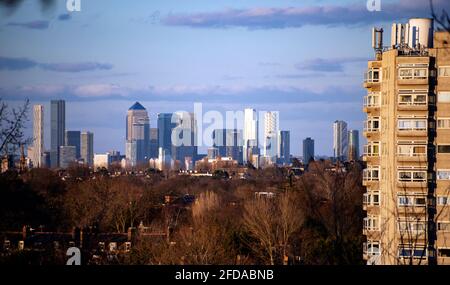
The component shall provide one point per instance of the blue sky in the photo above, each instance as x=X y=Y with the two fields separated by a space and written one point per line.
x=303 y=58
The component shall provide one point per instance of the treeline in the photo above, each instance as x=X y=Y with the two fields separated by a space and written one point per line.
x=312 y=219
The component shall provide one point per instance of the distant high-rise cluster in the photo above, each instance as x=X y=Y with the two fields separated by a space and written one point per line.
x=66 y=147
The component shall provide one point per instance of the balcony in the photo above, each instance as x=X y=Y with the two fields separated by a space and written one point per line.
x=372 y=102
x=371 y=175
x=371 y=127
x=412 y=133
x=412 y=127
x=413 y=74
x=419 y=157
x=372 y=77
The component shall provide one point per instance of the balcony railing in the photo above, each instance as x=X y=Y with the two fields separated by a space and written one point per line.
x=372 y=75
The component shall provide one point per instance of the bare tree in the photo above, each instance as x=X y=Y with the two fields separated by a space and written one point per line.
x=12 y=123
x=272 y=223
x=443 y=20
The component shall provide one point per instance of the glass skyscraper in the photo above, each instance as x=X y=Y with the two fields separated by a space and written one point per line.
x=353 y=145
x=138 y=131
x=87 y=148
x=57 y=126
x=340 y=140
x=72 y=138
x=308 y=150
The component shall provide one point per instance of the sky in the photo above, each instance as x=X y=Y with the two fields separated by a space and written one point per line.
x=303 y=58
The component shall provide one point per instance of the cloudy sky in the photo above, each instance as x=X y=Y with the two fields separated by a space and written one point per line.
x=304 y=59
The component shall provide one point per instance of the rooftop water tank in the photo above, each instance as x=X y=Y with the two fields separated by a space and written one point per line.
x=420 y=32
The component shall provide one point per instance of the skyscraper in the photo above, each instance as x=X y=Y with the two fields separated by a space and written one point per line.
x=72 y=138
x=308 y=150
x=38 y=136
x=153 y=143
x=228 y=143
x=131 y=152
x=165 y=127
x=87 y=148
x=340 y=140
x=284 y=148
x=58 y=127
x=67 y=155
x=251 y=143
x=138 y=130
x=271 y=128
x=353 y=145
x=408 y=147
x=184 y=136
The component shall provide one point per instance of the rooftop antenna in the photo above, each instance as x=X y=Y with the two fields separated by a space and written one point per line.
x=377 y=41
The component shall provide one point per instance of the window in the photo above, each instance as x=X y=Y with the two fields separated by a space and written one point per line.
x=410 y=124
x=412 y=99
x=443 y=148
x=417 y=227
x=443 y=252
x=372 y=124
x=444 y=97
x=372 y=223
x=409 y=175
x=411 y=200
x=372 y=75
x=372 y=99
x=371 y=198
x=443 y=174
x=444 y=71
x=413 y=73
x=372 y=149
x=371 y=173
x=372 y=247
x=411 y=150
x=407 y=252
x=443 y=226
x=443 y=200
x=443 y=123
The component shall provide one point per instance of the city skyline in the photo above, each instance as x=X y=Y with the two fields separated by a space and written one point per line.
x=316 y=85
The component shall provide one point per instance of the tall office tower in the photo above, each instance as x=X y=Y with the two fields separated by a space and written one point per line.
x=67 y=156
x=87 y=148
x=138 y=130
x=271 y=128
x=165 y=127
x=353 y=145
x=38 y=136
x=251 y=143
x=58 y=127
x=408 y=147
x=131 y=152
x=229 y=143
x=308 y=150
x=153 y=143
x=72 y=138
x=284 y=148
x=340 y=140
x=184 y=137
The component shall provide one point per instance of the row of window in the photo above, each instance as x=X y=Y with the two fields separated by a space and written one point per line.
x=373 y=198
x=373 y=248
x=372 y=173
x=373 y=99
x=372 y=223
x=414 y=71
x=372 y=124
x=407 y=149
